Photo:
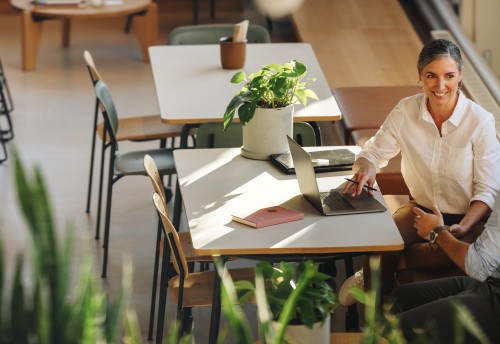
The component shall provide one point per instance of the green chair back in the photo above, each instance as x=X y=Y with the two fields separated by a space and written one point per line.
x=108 y=109
x=211 y=33
x=212 y=135
x=303 y=134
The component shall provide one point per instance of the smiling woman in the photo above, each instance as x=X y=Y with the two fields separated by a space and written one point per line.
x=440 y=71
x=450 y=158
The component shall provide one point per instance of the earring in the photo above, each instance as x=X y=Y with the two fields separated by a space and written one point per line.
x=419 y=84
x=459 y=85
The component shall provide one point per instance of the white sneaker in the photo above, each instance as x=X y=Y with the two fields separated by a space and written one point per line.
x=356 y=280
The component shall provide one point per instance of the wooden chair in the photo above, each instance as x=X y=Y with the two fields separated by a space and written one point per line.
x=122 y=164
x=135 y=128
x=189 y=289
x=185 y=242
x=211 y=33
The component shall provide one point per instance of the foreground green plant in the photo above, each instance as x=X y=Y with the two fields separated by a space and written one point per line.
x=54 y=307
x=291 y=294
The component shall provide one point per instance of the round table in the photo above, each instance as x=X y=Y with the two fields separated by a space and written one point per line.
x=145 y=15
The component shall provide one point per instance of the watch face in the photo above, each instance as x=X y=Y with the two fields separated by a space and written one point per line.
x=432 y=237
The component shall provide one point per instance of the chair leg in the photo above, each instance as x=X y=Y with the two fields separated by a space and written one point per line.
x=107 y=219
x=92 y=154
x=351 y=316
x=99 y=199
x=163 y=144
x=165 y=266
x=187 y=321
x=328 y=268
x=7 y=132
x=216 y=311
x=269 y=23
x=10 y=129
x=212 y=9
x=6 y=106
x=176 y=217
x=195 y=11
x=155 y=282
x=128 y=24
x=2 y=142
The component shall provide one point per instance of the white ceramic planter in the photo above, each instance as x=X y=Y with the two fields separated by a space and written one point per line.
x=266 y=132
x=301 y=334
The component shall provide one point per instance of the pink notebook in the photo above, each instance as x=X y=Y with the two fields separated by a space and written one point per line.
x=269 y=216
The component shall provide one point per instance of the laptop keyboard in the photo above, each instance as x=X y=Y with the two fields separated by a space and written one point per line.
x=335 y=201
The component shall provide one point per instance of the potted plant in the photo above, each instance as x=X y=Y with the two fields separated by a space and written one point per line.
x=297 y=305
x=265 y=106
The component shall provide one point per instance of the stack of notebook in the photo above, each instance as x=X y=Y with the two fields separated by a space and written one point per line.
x=323 y=161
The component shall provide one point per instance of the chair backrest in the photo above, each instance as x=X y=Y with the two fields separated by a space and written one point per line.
x=94 y=73
x=211 y=34
x=212 y=135
x=179 y=262
x=108 y=110
x=303 y=134
x=154 y=176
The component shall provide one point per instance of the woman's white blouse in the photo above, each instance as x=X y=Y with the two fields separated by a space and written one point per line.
x=451 y=170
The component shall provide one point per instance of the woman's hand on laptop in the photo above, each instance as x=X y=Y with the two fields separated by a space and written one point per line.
x=364 y=175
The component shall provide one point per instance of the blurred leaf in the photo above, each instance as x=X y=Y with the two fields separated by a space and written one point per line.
x=51 y=308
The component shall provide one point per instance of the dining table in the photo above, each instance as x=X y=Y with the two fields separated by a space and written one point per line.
x=35 y=13
x=193 y=88
x=218 y=183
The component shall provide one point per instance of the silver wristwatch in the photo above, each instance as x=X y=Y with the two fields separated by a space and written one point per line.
x=435 y=233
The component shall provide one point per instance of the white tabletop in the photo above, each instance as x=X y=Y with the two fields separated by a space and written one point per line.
x=192 y=87
x=218 y=182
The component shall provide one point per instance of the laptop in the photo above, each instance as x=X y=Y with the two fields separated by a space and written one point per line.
x=331 y=202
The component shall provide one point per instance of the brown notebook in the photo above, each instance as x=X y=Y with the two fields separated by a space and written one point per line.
x=269 y=216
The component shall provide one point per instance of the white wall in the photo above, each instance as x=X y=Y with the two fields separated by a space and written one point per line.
x=481 y=21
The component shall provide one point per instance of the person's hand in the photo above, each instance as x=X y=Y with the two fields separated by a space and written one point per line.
x=458 y=231
x=425 y=222
x=365 y=174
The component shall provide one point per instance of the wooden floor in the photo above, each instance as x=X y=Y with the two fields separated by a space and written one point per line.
x=360 y=42
x=53 y=120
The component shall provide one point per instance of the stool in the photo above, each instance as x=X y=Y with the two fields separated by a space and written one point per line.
x=367 y=107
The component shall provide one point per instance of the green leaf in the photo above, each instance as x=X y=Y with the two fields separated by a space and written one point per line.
x=467 y=321
x=233 y=312
x=238 y=77
x=18 y=314
x=246 y=112
x=311 y=94
x=299 y=68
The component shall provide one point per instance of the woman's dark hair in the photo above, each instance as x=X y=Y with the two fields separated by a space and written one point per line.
x=436 y=49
